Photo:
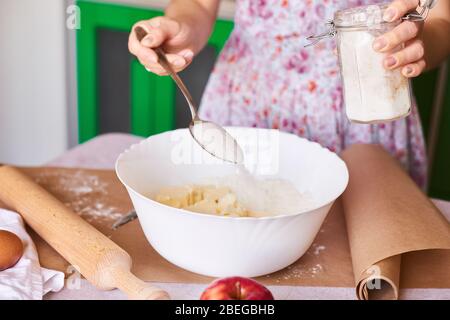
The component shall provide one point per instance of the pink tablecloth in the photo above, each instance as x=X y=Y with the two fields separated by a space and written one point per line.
x=101 y=153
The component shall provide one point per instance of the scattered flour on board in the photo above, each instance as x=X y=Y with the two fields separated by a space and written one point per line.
x=303 y=270
x=81 y=185
x=318 y=248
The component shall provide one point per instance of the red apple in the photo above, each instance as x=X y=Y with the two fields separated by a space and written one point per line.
x=236 y=288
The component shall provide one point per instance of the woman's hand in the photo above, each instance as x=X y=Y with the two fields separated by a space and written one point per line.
x=411 y=58
x=176 y=38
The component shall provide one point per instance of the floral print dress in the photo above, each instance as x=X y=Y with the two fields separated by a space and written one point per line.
x=265 y=78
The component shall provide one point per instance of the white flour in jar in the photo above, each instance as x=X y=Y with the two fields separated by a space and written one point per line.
x=371 y=92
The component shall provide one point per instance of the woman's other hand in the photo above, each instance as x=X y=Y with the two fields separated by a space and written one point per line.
x=410 y=59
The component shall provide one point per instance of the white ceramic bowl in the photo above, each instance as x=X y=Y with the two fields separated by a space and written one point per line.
x=225 y=246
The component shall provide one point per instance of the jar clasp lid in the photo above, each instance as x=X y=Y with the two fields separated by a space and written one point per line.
x=331 y=32
x=416 y=16
x=425 y=7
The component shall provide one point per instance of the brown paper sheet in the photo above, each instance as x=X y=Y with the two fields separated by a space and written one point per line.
x=387 y=215
x=98 y=197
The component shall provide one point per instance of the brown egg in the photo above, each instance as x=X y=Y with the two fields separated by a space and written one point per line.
x=11 y=249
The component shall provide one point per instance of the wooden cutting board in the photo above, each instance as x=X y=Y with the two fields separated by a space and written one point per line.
x=99 y=198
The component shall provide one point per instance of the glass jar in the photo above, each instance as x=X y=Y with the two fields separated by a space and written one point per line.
x=372 y=93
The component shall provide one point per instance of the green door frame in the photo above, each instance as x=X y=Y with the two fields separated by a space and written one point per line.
x=152 y=97
x=440 y=175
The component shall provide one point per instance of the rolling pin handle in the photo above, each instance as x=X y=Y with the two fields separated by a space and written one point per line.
x=135 y=288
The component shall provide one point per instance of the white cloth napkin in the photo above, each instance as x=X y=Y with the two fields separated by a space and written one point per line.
x=26 y=280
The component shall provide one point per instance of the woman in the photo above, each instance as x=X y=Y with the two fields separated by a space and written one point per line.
x=264 y=77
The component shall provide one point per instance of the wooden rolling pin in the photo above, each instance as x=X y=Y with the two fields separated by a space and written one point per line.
x=97 y=258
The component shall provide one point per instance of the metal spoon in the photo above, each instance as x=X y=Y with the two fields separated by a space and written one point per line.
x=210 y=136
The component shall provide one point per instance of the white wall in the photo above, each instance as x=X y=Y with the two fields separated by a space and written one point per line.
x=33 y=102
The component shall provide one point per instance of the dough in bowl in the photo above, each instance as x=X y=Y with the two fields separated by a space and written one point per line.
x=208 y=199
x=237 y=196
